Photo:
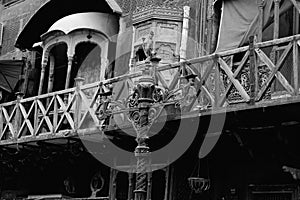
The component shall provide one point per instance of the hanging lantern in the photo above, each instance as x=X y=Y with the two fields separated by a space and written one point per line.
x=199 y=185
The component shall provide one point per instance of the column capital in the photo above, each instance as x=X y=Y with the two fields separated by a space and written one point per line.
x=277 y=1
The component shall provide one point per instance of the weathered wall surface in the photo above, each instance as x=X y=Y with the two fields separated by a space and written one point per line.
x=14 y=17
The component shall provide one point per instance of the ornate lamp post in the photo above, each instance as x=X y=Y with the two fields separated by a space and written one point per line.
x=143 y=93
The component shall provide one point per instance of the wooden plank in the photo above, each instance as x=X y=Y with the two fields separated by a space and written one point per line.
x=235 y=82
x=296 y=67
x=8 y=119
x=89 y=110
x=55 y=114
x=277 y=42
x=207 y=93
x=66 y=110
x=36 y=117
x=200 y=84
x=236 y=73
x=45 y=117
x=252 y=71
x=26 y=121
x=162 y=80
x=275 y=71
x=217 y=86
x=276 y=19
x=174 y=81
x=1 y=123
x=261 y=19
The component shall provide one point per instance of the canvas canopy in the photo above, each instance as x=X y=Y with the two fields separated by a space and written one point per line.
x=240 y=20
x=10 y=71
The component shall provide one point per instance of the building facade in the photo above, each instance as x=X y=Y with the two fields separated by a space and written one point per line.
x=82 y=78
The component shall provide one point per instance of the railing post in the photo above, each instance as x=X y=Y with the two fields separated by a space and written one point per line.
x=296 y=66
x=55 y=114
x=79 y=82
x=252 y=71
x=261 y=19
x=1 y=121
x=276 y=19
x=36 y=116
x=18 y=118
x=217 y=83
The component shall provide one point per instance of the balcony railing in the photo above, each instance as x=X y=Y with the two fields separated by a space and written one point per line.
x=244 y=76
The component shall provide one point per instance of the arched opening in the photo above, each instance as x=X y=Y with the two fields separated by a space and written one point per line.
x=60 y=59
x=87 y=63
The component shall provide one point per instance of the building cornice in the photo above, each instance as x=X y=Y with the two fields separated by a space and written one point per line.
x=157 y=12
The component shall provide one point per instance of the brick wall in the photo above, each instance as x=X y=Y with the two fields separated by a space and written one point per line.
x=14 y=17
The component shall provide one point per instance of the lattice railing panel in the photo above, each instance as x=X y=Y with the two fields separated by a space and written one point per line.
x=211 y=82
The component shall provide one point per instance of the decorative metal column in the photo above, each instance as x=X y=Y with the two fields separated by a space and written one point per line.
x=144 y=94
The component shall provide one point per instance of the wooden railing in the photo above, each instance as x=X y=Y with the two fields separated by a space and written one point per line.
x=247 y=75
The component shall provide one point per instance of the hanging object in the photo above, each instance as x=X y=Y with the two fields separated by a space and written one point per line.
x=197 y=183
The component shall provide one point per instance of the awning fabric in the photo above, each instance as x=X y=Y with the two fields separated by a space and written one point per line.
x=240 y=20
x=10 y=70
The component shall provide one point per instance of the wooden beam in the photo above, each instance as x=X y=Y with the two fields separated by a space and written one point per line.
x=174 y=81
x=276 y=19
x=162 y=80
x=275 y=71
x=261 y=19
x=236 y=73
x=200 y=84
x=296 y=67
x=1 y=123
x=252 y=71
x=217 y=86
x=235 y=82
